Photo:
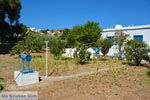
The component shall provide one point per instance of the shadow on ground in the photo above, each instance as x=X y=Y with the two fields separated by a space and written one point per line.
x=147 y=65
x=148 y=73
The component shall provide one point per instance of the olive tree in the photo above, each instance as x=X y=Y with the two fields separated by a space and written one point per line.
x=105 y=45
x=119 y=39
x=57 y=46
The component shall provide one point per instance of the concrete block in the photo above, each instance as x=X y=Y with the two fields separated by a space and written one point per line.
x=26 y=78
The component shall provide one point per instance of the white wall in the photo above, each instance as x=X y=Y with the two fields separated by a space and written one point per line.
x=145 y=32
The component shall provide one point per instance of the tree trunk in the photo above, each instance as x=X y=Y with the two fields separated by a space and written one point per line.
x=120 y=53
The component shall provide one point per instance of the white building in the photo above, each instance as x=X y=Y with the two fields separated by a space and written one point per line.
x=141 y=33
x=34 y=29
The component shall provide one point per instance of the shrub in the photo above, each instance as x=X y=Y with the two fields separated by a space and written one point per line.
x=57 y=45
x=136 y=51
x=105 y=45
x=82 y=55
x=2 y=83
x=31 y=42
x=1 y=87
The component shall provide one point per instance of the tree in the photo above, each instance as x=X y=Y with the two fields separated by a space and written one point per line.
x=57 y=45
x=86 y=34
x=82 y=55
x=65 y=34
x=136 y=51
x=119 y=40
x=18 y=31
x=35 y=42
x=105 y=45
x=10 y=9
x=9 y=18
x=31 y=42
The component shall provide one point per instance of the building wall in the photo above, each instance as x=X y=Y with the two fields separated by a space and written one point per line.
x=145 y=32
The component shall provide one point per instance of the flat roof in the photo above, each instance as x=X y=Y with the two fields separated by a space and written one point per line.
x=127 y=28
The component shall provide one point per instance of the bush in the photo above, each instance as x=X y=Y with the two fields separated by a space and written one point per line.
x=2 y=83
x=105 y=45
x=136 y=51
x=82 y=55
x=57 y=46
x=1 y=88
x=31 y=42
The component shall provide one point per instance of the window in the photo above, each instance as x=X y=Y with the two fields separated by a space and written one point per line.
x=110 y=38
x=138 y=37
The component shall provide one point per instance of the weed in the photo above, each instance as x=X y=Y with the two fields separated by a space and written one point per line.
x=2 y=83
x=145 y=77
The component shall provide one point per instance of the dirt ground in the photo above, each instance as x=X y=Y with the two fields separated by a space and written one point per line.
x=128 y=83
x=132 y=83
x=8 y=64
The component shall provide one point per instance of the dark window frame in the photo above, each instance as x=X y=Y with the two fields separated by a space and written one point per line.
x=134 y=37
x=110 y=38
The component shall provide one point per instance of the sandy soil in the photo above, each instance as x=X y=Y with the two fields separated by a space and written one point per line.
x=126 y=84
x=130 y=83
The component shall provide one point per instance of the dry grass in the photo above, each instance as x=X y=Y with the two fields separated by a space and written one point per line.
x=118 y=85
x=56 y=67
x=119 y=82
x=64 y=66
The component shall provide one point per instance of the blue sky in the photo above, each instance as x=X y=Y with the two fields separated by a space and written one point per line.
x=59 y=14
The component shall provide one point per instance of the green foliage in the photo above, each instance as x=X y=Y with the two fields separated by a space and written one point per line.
x=31 y=42
x=1 y=87
x=2 y=83
x=9 y=20
x=17 y=32
x=65 y=34
x=98 y=42
x=82 y=55
x=105 y=45
x=82 y=37
x=57 y=45
x=86 y=34
x=44 y=31
x=35 y=42
x=10 y=9
x=119 y=40
x=136 y=51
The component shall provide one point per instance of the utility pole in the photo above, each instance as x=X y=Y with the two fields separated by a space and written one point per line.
x=46 y=57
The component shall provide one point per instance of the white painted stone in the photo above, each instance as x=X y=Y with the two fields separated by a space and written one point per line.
x=69 y=52
x=93 y=53
x=26 y=78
